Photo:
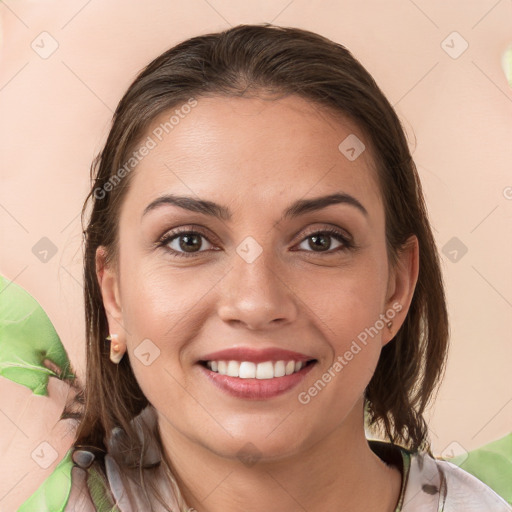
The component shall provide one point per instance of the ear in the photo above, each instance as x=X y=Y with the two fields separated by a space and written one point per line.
x=401 y=285
x=108 y=281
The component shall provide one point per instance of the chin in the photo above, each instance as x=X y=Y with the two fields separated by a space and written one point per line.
x=252 y=445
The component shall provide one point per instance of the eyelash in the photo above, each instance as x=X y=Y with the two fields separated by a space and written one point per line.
x=334 y=233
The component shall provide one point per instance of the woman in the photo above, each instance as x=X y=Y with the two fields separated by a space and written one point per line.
x=260 y=279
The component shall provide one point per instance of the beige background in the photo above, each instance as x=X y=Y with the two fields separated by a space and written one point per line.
x=457 y=108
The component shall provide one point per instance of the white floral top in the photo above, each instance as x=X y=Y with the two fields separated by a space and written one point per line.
x=433 y=485
x=428 y=484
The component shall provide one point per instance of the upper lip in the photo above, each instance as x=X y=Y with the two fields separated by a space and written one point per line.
x=255 y=355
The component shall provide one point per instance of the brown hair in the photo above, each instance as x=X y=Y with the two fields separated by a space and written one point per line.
x=255 y=59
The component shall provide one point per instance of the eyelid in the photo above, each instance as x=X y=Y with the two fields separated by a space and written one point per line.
x=189 y=228
x=330 y=229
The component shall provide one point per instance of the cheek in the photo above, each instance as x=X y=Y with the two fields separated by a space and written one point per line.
x=348 y=310
x=164 y=311
x=351 y=325
x=159 y=300
x=346 y=302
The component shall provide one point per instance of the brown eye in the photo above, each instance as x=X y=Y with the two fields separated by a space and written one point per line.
x=190 y=243
x=321 y=242
x=186 y=242
x=325 y=241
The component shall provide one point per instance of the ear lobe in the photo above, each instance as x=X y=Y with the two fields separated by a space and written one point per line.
x=401 y=285
x=117 y=349
x=109 y=285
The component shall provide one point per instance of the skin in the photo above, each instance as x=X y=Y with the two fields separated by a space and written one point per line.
x=256 y=157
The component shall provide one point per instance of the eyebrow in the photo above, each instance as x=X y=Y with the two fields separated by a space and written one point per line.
x=218 y=211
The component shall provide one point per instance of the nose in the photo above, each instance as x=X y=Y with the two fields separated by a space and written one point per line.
x=257 y=295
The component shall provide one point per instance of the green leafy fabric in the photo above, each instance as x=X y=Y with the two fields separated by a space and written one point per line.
x=27 y=339
x=492 y=464
x=52 y=495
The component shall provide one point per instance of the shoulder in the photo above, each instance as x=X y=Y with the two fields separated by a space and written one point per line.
x=440 y=486
x=491 y=463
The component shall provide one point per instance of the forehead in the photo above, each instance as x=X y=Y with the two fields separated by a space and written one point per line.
x=254 y=149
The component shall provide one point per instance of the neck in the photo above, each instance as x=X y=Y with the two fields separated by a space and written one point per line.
x=339 y=472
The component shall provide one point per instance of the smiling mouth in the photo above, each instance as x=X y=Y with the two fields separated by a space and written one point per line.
x=261 y=371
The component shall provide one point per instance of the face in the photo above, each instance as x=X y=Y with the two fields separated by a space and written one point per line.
x=258 y=314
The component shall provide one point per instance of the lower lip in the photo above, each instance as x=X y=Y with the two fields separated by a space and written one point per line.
x=257 y=389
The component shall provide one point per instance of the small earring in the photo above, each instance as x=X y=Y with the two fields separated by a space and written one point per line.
x=389 y=324
x=116 y=352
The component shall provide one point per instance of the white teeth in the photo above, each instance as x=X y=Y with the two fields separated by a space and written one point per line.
x=249 y=370
x=233 y=369
x=265 y=370
x=279 y=369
